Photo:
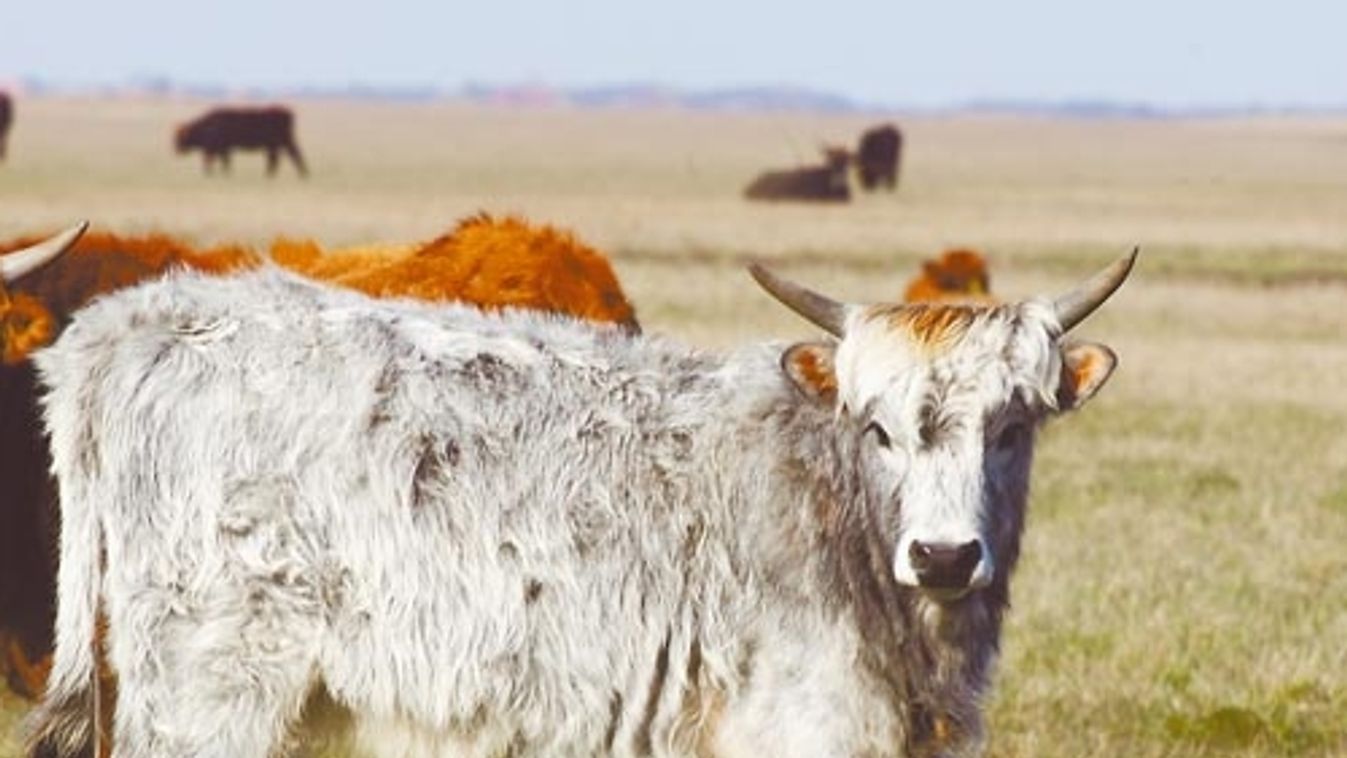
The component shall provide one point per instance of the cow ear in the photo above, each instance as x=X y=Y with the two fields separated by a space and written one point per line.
x=1085 y=368
x=810 y=367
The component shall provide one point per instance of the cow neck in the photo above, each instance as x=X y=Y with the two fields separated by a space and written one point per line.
x=931 y=659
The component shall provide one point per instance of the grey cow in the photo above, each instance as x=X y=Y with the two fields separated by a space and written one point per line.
x=512 y=534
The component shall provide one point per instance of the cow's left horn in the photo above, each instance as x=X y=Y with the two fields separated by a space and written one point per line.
x=16 y=264
x=821 y=310
x=1074 y=306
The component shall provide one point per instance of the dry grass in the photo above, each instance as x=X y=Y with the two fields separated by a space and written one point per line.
x=1184 y=588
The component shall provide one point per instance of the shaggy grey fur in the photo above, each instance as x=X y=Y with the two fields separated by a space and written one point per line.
x=497 y=534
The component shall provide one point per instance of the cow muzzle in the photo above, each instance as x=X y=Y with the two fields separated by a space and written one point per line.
x=945 y=570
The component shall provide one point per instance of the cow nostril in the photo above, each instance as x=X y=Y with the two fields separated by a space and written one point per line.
x=970 y=553
x=920 y=555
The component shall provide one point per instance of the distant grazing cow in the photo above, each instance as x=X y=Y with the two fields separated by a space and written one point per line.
x=956 y=275
x=224 y=129
x=878 y=156
x=492 y=534
x=827 y=183
x=6 y=118
x=486 y=261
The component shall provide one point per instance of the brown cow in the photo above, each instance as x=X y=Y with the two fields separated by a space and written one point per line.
x=223 y=129
x=826 y=183
x=6 y=118
x=878 y=156
x=34 y=306
x=485 y=261
x=27 y=574
x=488 y=262
x=957 y=275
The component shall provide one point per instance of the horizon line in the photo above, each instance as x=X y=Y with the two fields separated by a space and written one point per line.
x=765 y=97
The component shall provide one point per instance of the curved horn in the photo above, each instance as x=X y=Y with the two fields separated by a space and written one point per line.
x=1074 y=306
x=819 y=309
x=20 y=262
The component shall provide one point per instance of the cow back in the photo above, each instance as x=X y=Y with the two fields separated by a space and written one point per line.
x=224 y=128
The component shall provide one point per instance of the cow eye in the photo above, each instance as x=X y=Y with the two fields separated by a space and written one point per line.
x=881 y=436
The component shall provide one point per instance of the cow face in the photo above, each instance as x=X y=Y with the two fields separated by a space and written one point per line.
x=944 y=402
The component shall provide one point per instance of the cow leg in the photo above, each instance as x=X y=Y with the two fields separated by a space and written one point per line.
x=292 y=150
x=214 y=659
x=202 y=688
x=205 y=690
x=216 y=656
x=27 y=675
x=273 y=159
x=224 y=160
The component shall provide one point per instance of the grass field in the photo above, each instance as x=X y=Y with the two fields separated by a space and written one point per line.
x=1184 y=585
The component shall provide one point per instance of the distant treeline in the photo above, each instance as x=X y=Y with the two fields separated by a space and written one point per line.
x=652 y=95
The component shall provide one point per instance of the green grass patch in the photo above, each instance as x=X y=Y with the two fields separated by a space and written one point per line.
x=1300 y=718
x=1336 y=500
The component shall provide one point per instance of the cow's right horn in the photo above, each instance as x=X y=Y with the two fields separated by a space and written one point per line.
x=819 y=309
x=20 y=262
x=1074 y=306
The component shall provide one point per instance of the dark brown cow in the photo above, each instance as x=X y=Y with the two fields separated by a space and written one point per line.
x=26 y=606
x=877 y=158
x=224 y=129
x=6 y=118
x=826 y=183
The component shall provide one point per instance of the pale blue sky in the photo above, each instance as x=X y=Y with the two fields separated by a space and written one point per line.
x=937 y=52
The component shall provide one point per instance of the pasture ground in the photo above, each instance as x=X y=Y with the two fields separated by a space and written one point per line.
x=1183 y=590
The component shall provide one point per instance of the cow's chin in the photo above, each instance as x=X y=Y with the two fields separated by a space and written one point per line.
x=946 y=596
x=942 y=596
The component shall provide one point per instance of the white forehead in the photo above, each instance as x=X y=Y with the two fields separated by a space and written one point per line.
x=988 y=353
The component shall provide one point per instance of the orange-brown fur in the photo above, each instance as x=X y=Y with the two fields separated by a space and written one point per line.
x=808 y=365
x=27 y=325
x=931 y=325
x=99 y=262
x=488 y=262
x=27 y=678
x=959 y=275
